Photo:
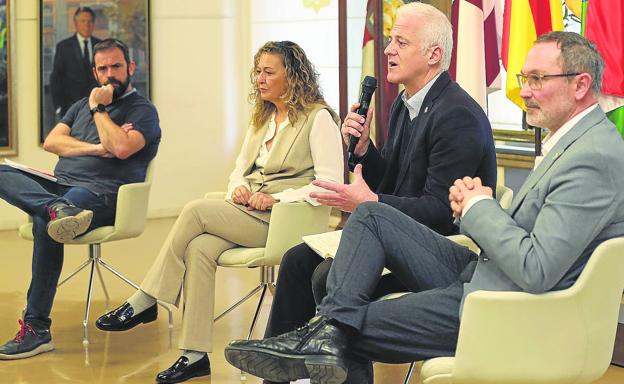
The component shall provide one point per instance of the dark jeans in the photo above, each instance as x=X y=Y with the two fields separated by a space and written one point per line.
x=419 y=325
x=301 y=285
x=34 y=195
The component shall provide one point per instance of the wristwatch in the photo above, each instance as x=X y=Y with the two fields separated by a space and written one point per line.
x=98 y=108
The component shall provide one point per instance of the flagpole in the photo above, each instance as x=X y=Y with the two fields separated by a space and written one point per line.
x=379 y=72
x=342 y=60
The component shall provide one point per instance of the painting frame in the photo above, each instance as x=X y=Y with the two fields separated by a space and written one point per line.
x=127 y=20
x=8 y=127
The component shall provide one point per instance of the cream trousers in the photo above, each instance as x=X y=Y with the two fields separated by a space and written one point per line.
x=188 y=261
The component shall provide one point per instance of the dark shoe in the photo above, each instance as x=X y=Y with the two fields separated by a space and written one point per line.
x=181 y=370
x=315 y=350
x=68 y=222
x=123 y=318
x=275 y=382
x=27 y=342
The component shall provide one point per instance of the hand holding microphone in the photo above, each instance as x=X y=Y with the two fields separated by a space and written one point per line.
x=355 y=129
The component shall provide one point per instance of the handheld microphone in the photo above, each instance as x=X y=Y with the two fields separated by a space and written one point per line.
x=369 y=84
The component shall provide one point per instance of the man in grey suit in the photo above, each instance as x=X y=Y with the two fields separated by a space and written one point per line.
x=570 y=203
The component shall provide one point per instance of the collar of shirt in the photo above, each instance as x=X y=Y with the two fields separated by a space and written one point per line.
x=81 y=41
x=272 y=127
x=414 y=103
x=551 y=139
x=111 y=107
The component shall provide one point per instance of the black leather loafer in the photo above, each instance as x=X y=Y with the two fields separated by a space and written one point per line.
x=123 y=318
x=181 y=370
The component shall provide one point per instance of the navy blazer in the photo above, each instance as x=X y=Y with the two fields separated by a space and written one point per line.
x=70 y=80
x=451 y=138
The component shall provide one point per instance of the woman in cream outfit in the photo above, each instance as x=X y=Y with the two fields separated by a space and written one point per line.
x=292 y=140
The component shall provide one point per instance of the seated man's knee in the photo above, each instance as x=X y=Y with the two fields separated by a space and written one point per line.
x=319 y=280
x=371 y=207
x=300 y=260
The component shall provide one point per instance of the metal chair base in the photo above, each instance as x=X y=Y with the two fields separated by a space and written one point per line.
x=95 y=262
x=410 y=370
x=267 y=282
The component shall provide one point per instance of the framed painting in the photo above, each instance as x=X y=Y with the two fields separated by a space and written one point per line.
x=8 y=129
x=64 y=26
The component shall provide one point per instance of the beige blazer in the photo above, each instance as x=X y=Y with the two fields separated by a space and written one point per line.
x=290 y=163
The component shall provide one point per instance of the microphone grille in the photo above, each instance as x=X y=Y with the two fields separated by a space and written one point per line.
x=369 y=81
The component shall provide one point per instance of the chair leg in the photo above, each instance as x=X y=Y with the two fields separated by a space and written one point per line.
x=106 y=295
x=239 y=302
x=254 y=321
x=94 y=250
x=75 y=272
x=267 y=281
x=255 y=317
x=136 y=286
x=410 y=370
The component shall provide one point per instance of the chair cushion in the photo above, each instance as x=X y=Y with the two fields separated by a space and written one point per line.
x=242 y=257
x=98 y=235
x=438 y=370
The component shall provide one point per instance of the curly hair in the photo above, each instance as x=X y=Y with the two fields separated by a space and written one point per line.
x=302 y=88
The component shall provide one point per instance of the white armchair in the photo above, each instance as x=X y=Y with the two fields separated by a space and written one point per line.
x=289 y=222
x=556 y=338
x=130 y=217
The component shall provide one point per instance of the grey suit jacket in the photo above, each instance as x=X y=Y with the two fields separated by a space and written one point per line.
x=570 y=203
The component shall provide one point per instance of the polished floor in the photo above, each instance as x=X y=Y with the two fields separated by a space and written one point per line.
x=134 y=356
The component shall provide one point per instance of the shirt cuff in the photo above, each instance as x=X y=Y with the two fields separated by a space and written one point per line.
x=474 y=201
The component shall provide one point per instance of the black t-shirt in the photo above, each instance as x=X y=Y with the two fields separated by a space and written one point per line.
x=100 y=175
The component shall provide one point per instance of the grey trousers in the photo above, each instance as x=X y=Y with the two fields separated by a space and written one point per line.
x=419 y=325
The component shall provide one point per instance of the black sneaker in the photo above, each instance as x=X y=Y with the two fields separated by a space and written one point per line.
x=68 y=221
x=28 y=342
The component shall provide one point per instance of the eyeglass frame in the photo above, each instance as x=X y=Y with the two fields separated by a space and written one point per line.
x=523 y=79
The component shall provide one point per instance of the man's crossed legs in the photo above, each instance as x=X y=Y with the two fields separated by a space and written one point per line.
x=59 y=213
x=351 y=328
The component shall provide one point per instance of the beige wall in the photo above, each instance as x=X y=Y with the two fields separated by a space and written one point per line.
x=200 y=65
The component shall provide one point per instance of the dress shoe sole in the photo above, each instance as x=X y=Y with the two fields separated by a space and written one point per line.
x=127 y=327
x=205 y=372
x=275 y=366
x=46 y=347
x=68 y=228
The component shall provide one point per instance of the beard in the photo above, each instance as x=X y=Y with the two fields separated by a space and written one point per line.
x=120 y=87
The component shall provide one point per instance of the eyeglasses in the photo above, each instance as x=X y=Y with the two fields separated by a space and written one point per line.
x=535 y=80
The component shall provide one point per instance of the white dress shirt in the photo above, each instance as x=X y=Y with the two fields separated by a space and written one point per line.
x=414 y=103
x=81 y=44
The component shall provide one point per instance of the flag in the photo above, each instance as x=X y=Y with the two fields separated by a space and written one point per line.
x=474 y=62
x=523 y=22
x=368 y=63
x=602 y=24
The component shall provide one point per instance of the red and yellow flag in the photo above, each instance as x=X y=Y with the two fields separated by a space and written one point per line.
x=523 y=22
x=603 y=25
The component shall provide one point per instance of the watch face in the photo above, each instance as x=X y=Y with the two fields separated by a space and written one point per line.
x=101 y=108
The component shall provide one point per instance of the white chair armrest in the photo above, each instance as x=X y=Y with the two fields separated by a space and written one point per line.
x=132 y=202
x=465 y=241
x=289 y=222
x=500 y=329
